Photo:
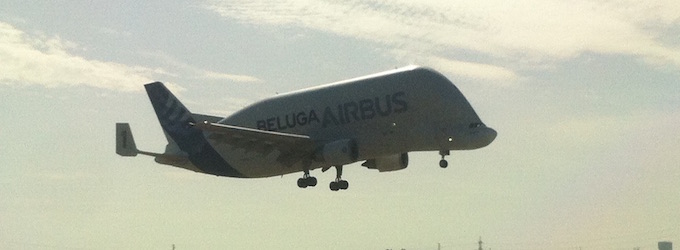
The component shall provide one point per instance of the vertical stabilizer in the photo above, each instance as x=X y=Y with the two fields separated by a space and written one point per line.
x=175 y=118
x=125 y=143
x=178 y=124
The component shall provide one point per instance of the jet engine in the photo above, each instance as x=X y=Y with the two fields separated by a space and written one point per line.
x=388 y=163
x=339 y=152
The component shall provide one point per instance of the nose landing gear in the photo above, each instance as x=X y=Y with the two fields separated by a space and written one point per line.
x=443 y=163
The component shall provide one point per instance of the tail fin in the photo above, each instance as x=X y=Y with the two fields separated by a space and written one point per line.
x=125 y=143
x=169 y=109
x=178 y=124
x=175 y=118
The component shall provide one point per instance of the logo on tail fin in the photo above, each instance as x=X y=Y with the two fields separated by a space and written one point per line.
x=176 y=121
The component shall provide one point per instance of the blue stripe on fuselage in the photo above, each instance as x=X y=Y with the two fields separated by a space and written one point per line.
x=174 y=119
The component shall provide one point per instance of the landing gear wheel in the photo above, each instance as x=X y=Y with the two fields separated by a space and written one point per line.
x=306 y=181
x=311 y=181
x=334 y=186
x=443 y=163
x=339 y=183
x=343 y=184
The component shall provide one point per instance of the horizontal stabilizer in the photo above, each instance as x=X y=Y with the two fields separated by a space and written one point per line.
x=125 y=146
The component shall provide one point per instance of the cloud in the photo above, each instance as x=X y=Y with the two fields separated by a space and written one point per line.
x=44 y=61
x=471 y=69
x=193 y=72
x=230 y=77
x=48 y=61
x=507 y=35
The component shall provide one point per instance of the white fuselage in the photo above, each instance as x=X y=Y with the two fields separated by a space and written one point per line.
x=399 y=111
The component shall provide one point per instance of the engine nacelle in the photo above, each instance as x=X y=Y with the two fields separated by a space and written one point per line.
x=388 y=163
x=339 y=152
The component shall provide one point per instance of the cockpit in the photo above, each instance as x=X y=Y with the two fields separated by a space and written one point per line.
x=476 y=125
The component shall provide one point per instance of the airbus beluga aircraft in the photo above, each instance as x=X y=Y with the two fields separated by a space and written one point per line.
x=376 y=119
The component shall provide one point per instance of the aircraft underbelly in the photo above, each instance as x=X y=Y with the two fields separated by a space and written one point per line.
x=254 y=164
x=402 y=138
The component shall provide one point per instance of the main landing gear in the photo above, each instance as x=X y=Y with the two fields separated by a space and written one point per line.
x=339 y=183
x=443 y=163
x=310 y=181
x=306 y=180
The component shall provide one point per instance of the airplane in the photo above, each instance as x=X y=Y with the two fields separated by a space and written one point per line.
x=377 y=119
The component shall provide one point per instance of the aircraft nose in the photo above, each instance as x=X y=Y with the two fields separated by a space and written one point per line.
x=491 y=135
x=485 y=137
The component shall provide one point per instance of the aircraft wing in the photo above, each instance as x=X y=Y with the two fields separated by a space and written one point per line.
x=293 y=147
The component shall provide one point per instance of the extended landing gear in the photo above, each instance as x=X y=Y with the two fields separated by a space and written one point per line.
x=443 y=163
x=306 y=180
x=339 y=183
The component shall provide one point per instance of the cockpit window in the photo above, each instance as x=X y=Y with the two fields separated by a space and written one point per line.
x=476 y=125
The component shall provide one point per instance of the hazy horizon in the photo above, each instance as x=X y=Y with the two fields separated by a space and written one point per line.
x=585 y=96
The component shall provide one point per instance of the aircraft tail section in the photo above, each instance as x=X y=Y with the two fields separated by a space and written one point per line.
x=175 y=118
x=178 y=124
x=125 y=143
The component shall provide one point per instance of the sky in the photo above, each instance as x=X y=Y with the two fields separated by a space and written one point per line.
x=585 y=96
